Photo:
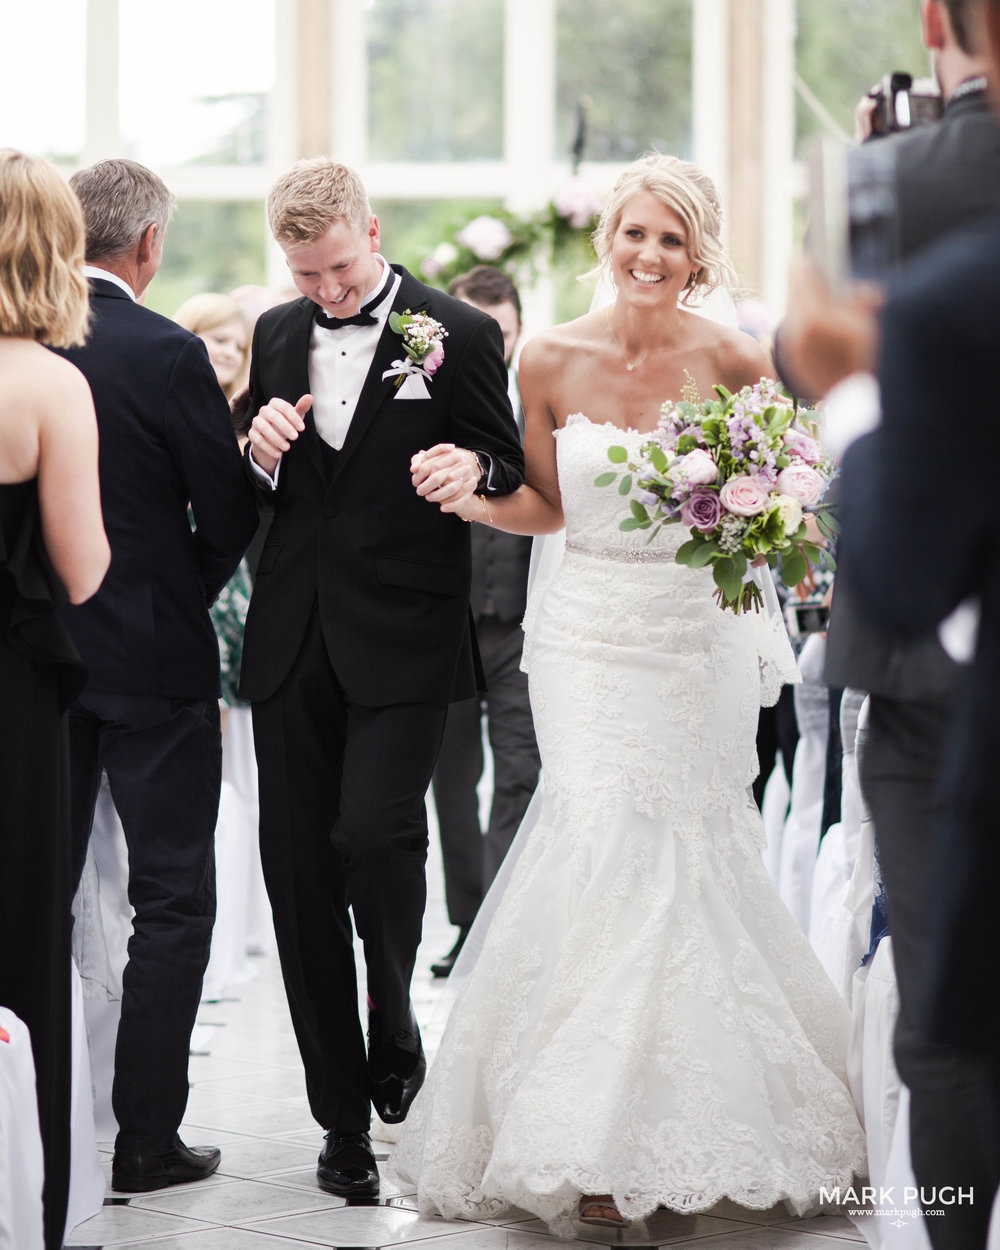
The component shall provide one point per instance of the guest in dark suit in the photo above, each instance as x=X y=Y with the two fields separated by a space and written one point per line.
x=149 y=715
x=946 y=175
x=499 y=590
x=359 y=631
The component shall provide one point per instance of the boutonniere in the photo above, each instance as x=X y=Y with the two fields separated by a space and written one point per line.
x=423 y=342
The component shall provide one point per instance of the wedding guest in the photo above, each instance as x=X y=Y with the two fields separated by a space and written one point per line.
x=500 y=561
x=359 y=633
x=221 y=325
x=52 y=546
x=149 y=716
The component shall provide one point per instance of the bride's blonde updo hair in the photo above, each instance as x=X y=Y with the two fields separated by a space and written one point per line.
x=690 y=193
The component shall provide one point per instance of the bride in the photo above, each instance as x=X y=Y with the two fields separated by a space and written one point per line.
x=645 y=1025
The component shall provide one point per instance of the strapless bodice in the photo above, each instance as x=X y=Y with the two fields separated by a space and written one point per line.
x=594 y=514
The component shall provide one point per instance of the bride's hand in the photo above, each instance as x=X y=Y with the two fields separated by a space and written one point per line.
x=446 y=475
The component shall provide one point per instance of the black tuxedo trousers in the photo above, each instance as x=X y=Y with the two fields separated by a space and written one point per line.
x=342 y=825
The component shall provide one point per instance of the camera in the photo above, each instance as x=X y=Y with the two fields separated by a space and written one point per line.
x=902 y=103
x=806 y=618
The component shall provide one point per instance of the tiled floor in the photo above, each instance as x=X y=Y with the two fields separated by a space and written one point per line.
x=248 y=1098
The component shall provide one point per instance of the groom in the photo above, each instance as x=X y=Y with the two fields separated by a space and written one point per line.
x=358 y=634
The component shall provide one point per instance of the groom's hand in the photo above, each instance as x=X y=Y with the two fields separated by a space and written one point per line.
x=275 y=427
x=446 y=475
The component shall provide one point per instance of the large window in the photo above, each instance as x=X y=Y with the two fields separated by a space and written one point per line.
x=195 y=80
x=42 y=83
x=435 y=80
x=629 y=65
x=211 y=245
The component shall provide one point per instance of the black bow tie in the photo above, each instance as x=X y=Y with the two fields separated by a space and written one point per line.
x=362 y=317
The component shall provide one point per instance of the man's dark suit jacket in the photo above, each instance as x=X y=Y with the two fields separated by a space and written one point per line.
x=921 y=533
x=388 y=571
x=166 y=439
x=947 y=176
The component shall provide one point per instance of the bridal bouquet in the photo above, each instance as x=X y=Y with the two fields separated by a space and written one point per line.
x=740 y=471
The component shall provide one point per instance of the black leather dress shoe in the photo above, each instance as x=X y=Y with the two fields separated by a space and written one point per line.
x=396 y=1067
x=138 y=1174
x=347 y=1166
x=444 y=966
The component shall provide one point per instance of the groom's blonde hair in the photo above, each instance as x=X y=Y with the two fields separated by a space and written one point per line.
x=687 y=191
x=315 y=194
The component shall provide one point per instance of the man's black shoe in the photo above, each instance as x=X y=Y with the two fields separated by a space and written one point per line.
x=347 y=1166
x=444 y=966
x=138 y=1174
x=396 y=1067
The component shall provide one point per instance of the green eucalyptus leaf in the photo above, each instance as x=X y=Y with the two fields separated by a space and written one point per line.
x=617 y=455
x=793 y=568
x=727 y=579
x=638 y=510
x=605 y=479
x=625 y=485
x=705 y=552
x=687 y=550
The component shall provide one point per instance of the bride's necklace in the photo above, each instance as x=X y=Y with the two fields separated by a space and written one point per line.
x=630 y=365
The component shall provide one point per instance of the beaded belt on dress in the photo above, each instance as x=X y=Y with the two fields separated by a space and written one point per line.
x=623 y=555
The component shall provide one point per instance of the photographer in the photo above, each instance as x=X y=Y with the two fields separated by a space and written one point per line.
x=942 y=177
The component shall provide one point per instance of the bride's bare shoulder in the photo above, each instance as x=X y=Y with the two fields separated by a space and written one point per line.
x=554 y=347
x=737 y=359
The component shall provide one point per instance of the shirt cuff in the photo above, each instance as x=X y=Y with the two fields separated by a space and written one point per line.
x=486 y=465
x=262 y=476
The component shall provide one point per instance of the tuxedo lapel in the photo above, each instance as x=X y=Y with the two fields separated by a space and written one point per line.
x=295 y=351
x=375 y=391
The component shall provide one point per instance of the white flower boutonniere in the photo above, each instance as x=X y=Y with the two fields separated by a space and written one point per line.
x=423 y=342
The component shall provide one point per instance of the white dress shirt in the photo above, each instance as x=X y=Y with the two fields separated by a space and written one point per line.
x=94 y=271
x=339 y=361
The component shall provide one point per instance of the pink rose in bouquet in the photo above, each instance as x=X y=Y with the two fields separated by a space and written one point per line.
x=800 y=444
x=802 y=483
x=745 y=495
x=697 y=467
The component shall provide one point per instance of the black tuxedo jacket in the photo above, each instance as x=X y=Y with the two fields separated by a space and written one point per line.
x=947 y=176
x=388 y=572
x=922 y=532
x=166 y=439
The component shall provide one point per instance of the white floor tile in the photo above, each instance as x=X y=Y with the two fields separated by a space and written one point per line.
x=362 y=1226
x=233 y=1202
x=116 y=1226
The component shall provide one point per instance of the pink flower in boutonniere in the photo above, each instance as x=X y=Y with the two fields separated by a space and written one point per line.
x=423 y=342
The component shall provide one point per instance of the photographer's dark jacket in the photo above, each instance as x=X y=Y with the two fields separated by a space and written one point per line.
x=947 y=175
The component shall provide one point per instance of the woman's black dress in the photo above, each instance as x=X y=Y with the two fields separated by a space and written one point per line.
x=40 y=674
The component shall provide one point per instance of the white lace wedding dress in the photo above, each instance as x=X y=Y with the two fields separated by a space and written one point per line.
x=644 y=1019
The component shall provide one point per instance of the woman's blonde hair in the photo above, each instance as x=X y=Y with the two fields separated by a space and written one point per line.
x=687 y=191
x=202 y=313
x=43 y=293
